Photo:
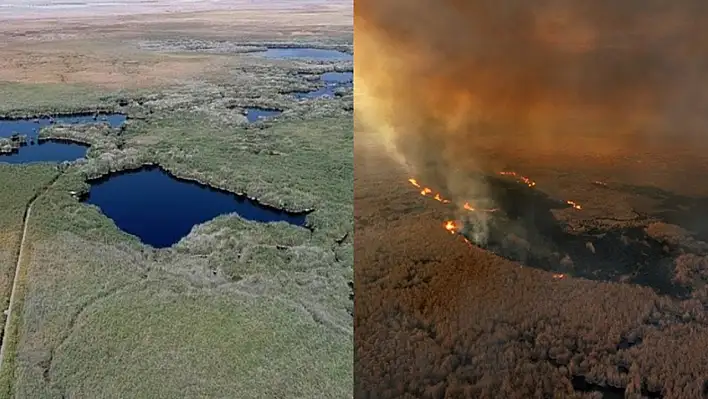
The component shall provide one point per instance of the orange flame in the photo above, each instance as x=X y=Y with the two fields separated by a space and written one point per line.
x=574 y=204
x=470 y=208
x=451 y=226
x=519 y=177
x=531 y=183
x=558 y=276
x=427 y=191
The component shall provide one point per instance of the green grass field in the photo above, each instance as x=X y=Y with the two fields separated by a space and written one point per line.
x=19 y=185
x=235 y=309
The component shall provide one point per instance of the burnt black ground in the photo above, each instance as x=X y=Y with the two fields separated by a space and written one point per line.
x=525 y=230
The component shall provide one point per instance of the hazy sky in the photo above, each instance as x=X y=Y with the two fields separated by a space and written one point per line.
x=58 y=8
x=436 y=78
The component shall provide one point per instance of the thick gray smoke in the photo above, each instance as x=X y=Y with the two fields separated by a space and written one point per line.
x=446 y=83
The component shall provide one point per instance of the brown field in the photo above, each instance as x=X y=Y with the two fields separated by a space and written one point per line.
x=437 y=318
x=99 y=47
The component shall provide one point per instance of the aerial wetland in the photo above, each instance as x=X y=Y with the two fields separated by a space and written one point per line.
x=305 y=52
x=332 y=81
x=20 y=142
x=254 y=114
x=149 y=202
x=217 y=207
x=160 y=209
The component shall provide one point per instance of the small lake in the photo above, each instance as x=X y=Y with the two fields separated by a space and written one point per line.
x=338 y=77
x=160 y=209
x=50 y=150
x=309 y=53
x=256 y=114
x=332 y=81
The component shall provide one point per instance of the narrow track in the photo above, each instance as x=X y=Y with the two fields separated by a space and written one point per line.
x=20 y=255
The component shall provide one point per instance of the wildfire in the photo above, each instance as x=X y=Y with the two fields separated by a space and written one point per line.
x=452 y=226
x=470 y=208
x=531 y=183
x=426 y=191
x=558 y=276
x=574 y=204
x=520 y=178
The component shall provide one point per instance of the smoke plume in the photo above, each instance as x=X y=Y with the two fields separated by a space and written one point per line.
x=443 y=83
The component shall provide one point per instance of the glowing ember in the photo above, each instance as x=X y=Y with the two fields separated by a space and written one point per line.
x=451 y=226
x=428 y=191
x=520 y=178
x=574 y=204
x=437 y=197
x=531 y=183
x=470 y=208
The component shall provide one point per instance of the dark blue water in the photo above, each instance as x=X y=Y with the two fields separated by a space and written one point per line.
x=311 y=53
x=255 y=114
x=161 y=209
x=332 y=81
x=48 y=151
x=52 y=150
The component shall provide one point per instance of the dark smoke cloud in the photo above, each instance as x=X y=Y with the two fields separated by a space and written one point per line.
x=435 y=79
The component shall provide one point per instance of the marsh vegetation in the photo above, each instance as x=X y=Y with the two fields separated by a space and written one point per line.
x=101 y=314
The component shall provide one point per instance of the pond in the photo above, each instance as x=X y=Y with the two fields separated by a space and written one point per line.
x=49 y=150
x=256 y=114
x=310 y=53
x=338 y=77
x=332 y=81
x=161 y=209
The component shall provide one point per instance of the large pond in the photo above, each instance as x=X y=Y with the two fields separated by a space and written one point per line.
x=160 y=209
x=49 y=150
x=332 y=81
x=306 y=53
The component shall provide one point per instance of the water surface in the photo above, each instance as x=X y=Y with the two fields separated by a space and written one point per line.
x=308 y=53
x=332 y=81
x=256 y=114
x=160 y=209
x=50 y=150
x=337 y=77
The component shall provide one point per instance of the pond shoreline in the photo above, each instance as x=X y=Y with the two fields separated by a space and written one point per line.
x=185 y=179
